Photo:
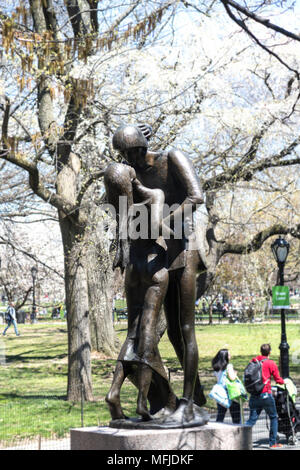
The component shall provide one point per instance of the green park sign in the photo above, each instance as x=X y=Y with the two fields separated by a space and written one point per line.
x=280 y=297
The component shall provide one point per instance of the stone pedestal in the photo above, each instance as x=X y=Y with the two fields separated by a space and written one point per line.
x=212 y=436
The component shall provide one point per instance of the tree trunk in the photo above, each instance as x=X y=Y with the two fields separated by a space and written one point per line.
x=73 y=227
x=79 y=343
x=100 y=291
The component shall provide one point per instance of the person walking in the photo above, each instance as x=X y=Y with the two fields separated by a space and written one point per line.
x=265 y=401
x=10 y=314
x=223 y=369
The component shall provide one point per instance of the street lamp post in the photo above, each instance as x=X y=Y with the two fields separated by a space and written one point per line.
x=280 y=249
x=33 y=312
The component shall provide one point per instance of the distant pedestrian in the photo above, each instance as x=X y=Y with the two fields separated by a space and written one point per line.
x=225 y=310
x=220 y=310
x=10 y=316
x=55 y=312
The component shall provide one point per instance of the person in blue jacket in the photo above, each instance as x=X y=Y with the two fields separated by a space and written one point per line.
x=10 y=314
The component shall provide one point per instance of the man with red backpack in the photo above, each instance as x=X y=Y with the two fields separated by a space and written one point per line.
x=264 y=400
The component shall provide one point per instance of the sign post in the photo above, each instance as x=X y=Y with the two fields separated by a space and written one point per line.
x=281 y=301
x=280 y=297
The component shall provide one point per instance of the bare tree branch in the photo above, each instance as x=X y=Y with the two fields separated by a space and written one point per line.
x=266 y=23
x=258 y=240
x=242 y=170
x=263 y=21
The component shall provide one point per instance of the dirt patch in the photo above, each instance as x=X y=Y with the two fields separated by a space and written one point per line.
x=101 y=356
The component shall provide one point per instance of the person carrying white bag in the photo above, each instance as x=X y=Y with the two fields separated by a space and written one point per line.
x=224 y=370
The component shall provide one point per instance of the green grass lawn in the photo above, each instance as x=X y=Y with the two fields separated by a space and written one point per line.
x=33 y=374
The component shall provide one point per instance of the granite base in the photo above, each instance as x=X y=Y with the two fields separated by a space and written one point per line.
x=212 y=436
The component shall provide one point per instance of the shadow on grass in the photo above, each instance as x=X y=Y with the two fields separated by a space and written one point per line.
x=25 y=356
x=27 y=359
x=16 y=396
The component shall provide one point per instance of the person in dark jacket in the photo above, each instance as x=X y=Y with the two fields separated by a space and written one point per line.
x=265 y=400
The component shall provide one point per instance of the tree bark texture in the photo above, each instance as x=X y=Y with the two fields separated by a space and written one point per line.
x=77 y=302
x=100 y=280
x=77 y=305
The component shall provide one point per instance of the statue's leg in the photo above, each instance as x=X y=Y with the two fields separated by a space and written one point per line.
x=144 y=381
x=187 y=298
x=134 y=297
x=113 y=396
x=153 y=300
x=180 y=313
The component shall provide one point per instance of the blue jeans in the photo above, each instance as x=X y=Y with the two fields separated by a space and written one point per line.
x=10 y=322
x=266 y=402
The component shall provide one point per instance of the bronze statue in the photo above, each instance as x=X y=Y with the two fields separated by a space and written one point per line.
x=160 y=270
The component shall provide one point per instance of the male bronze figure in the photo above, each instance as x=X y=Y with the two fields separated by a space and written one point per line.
x=159 y=271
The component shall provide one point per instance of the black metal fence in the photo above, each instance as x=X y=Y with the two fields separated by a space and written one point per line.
x=52 y=441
